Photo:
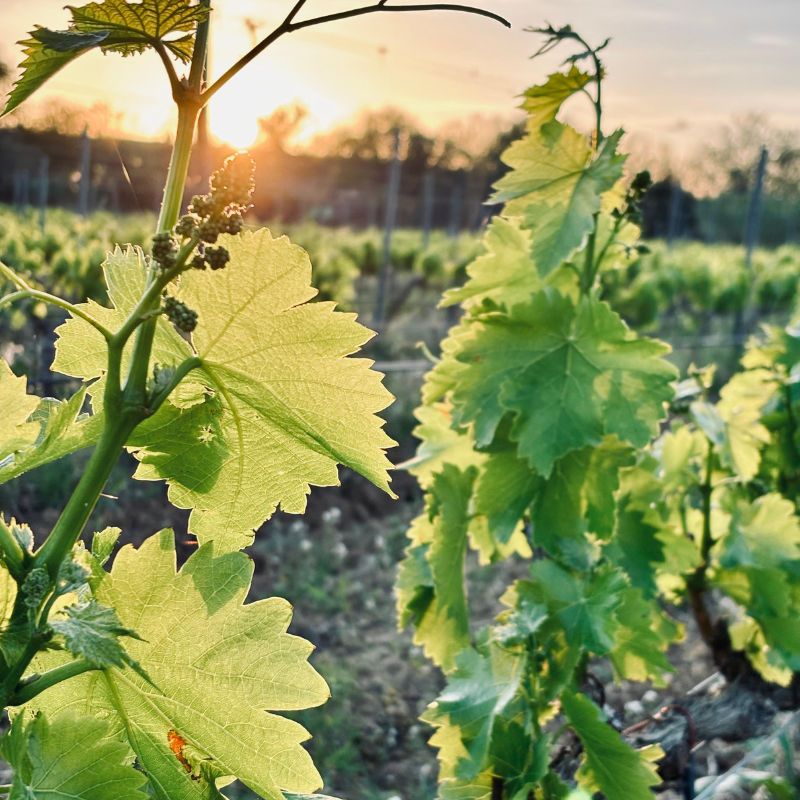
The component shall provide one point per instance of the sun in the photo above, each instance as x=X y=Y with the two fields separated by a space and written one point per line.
x=233 y=121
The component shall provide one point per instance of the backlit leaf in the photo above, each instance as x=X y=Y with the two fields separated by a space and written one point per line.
x=114 y=26
x=543 y=102
x=439 y=601
x=70 y=758
x=477 y=694
x=63 y=430
x=506 y=274
x=92 y=631
x=217 y=664
x=16 y=432
x=284 y=404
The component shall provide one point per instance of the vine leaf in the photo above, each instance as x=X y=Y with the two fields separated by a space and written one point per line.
x=115 y=26
x=430 y=584
x=505 y=274
x=609 y=765
x=8 y=594
x=217 y=662
x=506 y=486
x=569 y=374
x=546 y=165
x=63 y=429
x=478 y=692
x=284 y=405
x=583 y=608
x=70 y=758
x=81 y=350
x=16 y=432
x=638 y=652
x=764 y=534
x=556 y=184
x=440 y=443
x=520 y=761
x=561 y=227
x=92 y=631
x=740 y=404
x=579 y=496
x=544 y=101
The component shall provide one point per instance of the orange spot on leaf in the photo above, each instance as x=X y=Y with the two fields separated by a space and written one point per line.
x=176 y=744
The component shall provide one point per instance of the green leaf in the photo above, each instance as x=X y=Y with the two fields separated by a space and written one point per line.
x=506 y=486
x=764 y=534
x=559 y=228
x=16 y=432
x=747 y=635
x=546 y=165
x=579 y=496
x=445 y=374
x=104 y=542
x=71 y=758
x=478 y=692
x=285 y=403
x=505 y=274
x=569 y=375
x=680 y=452
x=414 y=585
x=583 y=608
x=518 y=758
x=81 y=350
x=638 y=652
x=46 y=52
x=92 y=631
x=637 y=546
x=8 y=594
x=740 y=405
x=543 y=102
x=608 y=765
x=114 y=26
x=133 y=27
x=440 y=444
x=63 y=430
x=217 y=662
x=436 y=596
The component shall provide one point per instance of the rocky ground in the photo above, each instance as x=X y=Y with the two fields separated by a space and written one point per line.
x=336 y=566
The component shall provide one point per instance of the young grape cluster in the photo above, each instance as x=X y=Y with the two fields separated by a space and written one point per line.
x=219 y=211
x=630 y=209
x=179 y=314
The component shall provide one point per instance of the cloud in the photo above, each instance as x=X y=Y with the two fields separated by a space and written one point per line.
x=771 y=40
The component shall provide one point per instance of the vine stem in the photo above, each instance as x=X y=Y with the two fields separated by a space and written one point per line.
x=289 y=26
x=188 y=111
x=83 y=500
x=50 y=678
x=56 y=301
x=697 y=583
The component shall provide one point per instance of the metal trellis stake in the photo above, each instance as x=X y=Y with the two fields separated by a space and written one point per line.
x=392 y=196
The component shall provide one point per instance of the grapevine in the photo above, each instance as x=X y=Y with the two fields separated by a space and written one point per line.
x=214 y=370
x=552 y=432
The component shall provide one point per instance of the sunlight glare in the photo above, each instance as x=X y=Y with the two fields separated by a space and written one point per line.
x=233 y=120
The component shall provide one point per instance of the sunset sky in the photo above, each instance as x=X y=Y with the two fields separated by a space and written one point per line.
x=676 y=70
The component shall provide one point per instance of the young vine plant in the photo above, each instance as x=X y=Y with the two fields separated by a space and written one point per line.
x=213 y=368
x=552 y=432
